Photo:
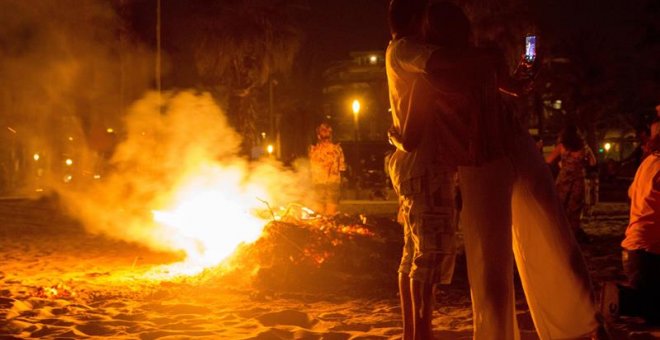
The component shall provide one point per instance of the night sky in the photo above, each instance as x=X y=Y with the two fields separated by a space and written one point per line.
x=335 y=28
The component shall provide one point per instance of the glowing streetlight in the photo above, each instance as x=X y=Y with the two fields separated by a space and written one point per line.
x=68 y=162
x=36 y=157
x=110 y=130
x=270 y=149
x=607 y=147
x=356 y=108
x=356 y=113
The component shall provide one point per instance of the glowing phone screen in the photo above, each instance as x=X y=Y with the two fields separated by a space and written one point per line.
x=530 y=48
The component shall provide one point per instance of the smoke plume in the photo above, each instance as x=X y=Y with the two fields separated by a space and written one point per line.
x=75 y=120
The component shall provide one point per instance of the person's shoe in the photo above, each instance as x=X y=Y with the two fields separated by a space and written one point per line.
x=609 y=301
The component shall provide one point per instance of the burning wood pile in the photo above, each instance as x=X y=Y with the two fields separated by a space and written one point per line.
x=303 y=252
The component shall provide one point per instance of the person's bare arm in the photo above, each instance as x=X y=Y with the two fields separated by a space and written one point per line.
x=554 y=154
x=522 y=80
x=394 y=137
x=418 y=113
x=591 y=158
x=417 y=117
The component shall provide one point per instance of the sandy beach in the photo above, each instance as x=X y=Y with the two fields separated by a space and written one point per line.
x=59 y=282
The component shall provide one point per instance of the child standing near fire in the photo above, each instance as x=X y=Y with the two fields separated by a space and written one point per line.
x=327 y=163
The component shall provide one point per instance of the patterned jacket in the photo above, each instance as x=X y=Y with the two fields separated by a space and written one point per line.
x=327 y=161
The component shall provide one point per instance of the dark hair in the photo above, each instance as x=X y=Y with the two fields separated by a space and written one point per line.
x=445 y=24
x=653 y=145
x=571 y=139
x=404 y=17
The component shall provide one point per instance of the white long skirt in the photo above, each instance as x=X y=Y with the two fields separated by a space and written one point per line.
x=520 y=191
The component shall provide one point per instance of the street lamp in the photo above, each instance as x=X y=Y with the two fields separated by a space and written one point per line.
x=356 y=112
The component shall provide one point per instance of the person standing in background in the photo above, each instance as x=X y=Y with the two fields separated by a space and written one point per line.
x=640 y=294
x=575 y=155
x=327 y=163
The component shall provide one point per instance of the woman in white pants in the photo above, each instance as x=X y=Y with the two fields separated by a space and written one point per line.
x=519 y=192
x=510 y=207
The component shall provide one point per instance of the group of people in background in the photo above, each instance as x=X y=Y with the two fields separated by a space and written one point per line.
x=639 y=295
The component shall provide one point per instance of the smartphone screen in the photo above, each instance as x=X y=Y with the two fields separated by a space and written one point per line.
x=530 y=48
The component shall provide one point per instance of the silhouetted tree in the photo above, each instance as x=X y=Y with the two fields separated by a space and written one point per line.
x=239 y=45
x=227 y=47
x=599 y=57
x=602 y=60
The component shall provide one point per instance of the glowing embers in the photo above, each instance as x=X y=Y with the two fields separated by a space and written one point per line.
x=58 y=291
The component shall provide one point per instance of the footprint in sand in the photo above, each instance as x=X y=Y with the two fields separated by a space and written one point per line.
x=45 y=331
x=352 y=327
x=6 y=302
x=178 y=309
x=286 y=317
x=174 y=335
x=95 y=329
x=57 y=322
x=332 y=316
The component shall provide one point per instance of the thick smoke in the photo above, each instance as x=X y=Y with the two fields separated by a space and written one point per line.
x=67 y=70
x=186 y=141
x=72 y=123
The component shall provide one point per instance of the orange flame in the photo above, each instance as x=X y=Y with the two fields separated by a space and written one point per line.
x=210 y=216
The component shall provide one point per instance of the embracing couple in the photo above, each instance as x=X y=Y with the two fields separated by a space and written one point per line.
x=452 y=131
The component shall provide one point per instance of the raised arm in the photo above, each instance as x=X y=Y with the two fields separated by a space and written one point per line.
x=556 y=151
x=521 y=81
x=589 y=155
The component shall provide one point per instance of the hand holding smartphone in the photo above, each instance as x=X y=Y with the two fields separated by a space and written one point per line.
x=528 y=67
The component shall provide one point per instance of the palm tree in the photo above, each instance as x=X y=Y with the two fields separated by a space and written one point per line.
x=240 y=44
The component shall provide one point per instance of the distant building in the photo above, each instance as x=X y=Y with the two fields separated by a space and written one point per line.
x=361 y=78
